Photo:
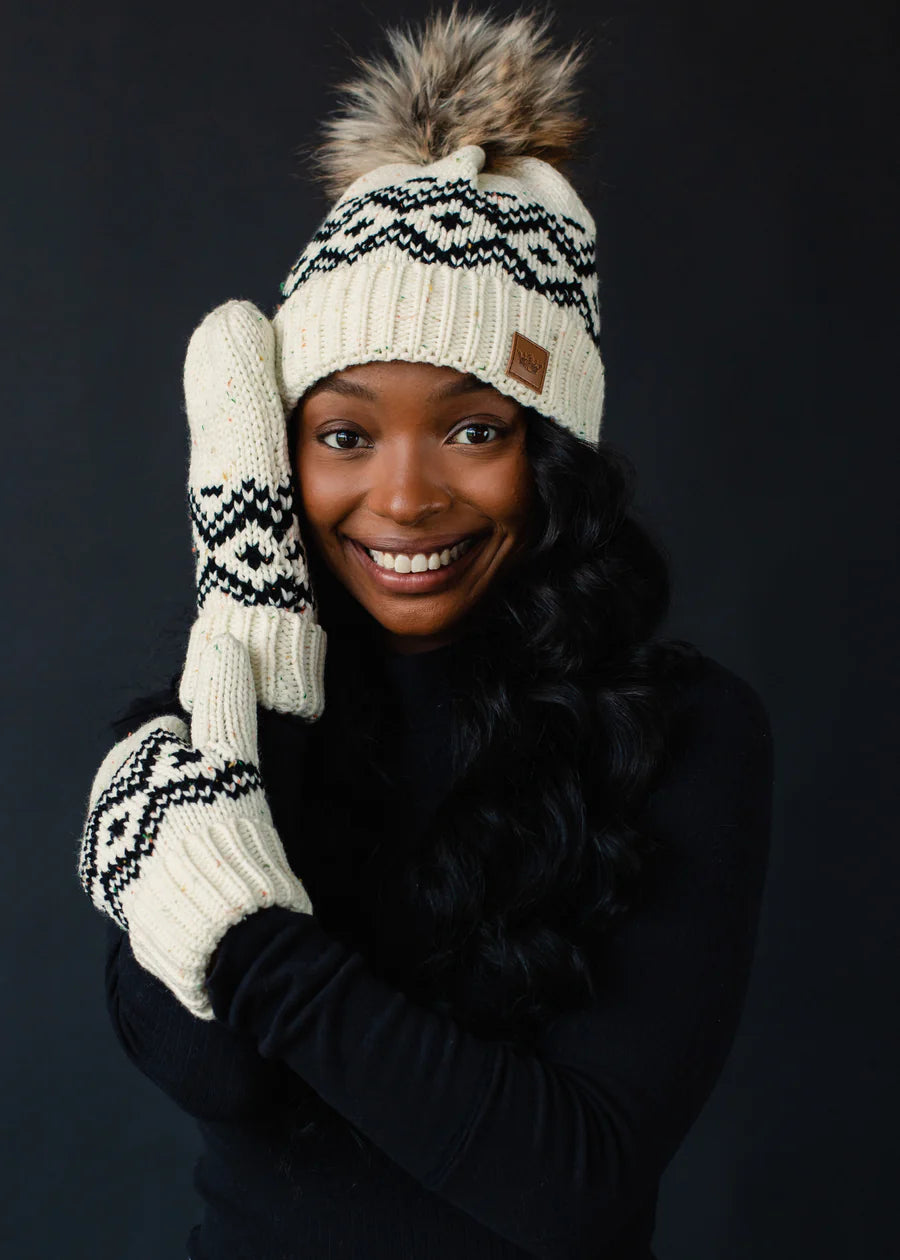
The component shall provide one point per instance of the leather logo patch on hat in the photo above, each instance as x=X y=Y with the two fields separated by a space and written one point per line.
x=528 y=362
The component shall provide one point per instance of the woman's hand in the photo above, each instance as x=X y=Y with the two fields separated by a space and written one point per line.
x=179 y=843
x=252 y=576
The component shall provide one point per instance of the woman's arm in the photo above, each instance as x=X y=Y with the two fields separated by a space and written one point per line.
x=552 y=1150
x=210 y=1071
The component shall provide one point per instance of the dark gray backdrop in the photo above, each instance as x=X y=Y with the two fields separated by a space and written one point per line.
x=744 y=182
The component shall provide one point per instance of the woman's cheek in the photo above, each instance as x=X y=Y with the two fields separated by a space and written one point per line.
x=324 y=486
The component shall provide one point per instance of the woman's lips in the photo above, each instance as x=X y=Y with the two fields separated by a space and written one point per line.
x=416 y=583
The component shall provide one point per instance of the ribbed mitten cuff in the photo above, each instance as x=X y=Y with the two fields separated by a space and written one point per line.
x=287 y=653
x=190 y=893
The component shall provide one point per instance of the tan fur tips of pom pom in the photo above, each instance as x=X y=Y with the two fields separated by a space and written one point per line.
x=460 y=79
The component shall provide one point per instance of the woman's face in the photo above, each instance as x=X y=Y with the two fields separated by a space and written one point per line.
x=407 y=459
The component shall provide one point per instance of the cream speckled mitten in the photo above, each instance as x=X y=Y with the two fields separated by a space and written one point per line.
x=179 y=842
x=252 y=577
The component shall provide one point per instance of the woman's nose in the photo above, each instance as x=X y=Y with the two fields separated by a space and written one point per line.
x=407 y=485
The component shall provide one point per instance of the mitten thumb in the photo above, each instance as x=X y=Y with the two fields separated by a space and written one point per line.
x=224 y=713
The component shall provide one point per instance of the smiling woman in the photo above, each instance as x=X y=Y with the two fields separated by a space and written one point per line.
x=416 y=487
x=449 y=964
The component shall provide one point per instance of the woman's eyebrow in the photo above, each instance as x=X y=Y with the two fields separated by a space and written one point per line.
x=350 y=389
x=466 y=384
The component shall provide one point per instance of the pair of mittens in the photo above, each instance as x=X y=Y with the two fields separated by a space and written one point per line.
x=179 y=842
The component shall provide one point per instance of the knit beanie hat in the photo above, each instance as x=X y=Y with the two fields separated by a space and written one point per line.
x=454 y=237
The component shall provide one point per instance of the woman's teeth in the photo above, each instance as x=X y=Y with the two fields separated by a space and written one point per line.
x=420 y=562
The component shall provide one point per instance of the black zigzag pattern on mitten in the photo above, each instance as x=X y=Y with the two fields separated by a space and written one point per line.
x=133 y=808
x=456 y=236
x=269 y=507
x=280 y=592
x=217 y=530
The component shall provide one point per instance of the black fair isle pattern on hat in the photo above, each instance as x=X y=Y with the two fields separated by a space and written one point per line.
x=450 y=222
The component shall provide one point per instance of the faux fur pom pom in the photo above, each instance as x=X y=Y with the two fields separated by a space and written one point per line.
x=460 y=79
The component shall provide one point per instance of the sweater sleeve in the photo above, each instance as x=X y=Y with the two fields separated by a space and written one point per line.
x=552 y=1150
x=208 y=1070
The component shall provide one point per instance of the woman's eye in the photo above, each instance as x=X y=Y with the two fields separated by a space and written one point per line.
x=345 y=439
x=340 y=433
x=477 y=425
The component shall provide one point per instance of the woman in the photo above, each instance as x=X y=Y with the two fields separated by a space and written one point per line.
x=449 y=964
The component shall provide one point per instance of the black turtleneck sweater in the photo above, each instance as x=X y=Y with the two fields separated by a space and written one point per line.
x=474 y=1148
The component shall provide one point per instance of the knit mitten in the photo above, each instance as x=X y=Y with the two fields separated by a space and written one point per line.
x=179 y=842
x=252 y=576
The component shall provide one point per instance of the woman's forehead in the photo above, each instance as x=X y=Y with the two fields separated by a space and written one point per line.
x=373 y=381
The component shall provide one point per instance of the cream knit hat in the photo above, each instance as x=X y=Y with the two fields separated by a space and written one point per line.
x=481 y=259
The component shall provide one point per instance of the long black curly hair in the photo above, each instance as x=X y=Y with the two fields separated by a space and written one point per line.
x=562 y=696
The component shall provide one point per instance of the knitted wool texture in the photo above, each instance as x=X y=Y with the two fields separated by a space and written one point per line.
x=251 y=572
x=487 y=273
x=179 y=842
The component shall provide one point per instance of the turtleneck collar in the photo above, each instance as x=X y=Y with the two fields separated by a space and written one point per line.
x=420 y=659
x=421 y=681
